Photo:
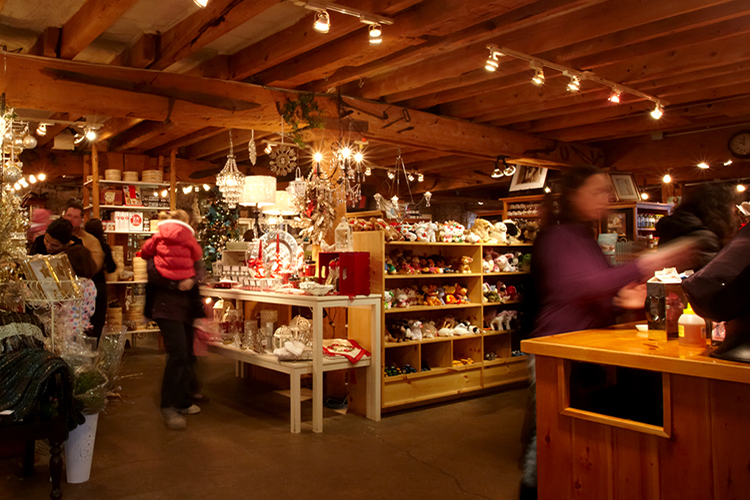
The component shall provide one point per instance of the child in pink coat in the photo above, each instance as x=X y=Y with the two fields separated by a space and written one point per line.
x=174 y=248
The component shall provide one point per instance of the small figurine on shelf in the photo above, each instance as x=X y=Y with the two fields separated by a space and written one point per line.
x=388 y=299
x=401 y=297
x=344 y=240
x=389 y=267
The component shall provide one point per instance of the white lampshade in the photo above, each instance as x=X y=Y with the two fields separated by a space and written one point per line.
x=260 y=191
x=283 y=205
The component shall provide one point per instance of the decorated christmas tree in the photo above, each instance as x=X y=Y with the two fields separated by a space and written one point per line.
x=219 y=225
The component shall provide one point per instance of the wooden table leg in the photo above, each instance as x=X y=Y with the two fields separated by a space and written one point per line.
x=55 y=468
x=317 y=321
x=296 y=403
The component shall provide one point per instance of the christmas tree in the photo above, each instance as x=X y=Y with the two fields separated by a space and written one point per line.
x=218 y=226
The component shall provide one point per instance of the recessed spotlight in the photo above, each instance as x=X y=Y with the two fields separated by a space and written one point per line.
x=741 y=188
x=615 y=97
x=657 y=112
x=644 y=196
x=667 y=178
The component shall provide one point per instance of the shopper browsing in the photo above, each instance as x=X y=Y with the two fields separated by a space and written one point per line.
x=172 y=300
x=94 y=228
x=73 y=213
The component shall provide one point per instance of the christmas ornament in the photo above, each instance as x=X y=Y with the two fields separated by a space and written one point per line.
x=12 y=228
x=252 y=153
x=217 y=227
x=12 y=172
x=231 y=181
x=283 y=160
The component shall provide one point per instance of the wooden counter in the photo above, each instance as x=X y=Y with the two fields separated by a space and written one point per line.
x=699 y=447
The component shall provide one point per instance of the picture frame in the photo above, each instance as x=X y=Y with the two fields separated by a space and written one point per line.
x=528 y=177
x=624 y=187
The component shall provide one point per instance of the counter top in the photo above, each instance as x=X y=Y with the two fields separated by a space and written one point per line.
x=623 y=345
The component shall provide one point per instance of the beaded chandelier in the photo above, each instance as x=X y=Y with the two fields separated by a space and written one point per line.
x=231 y=182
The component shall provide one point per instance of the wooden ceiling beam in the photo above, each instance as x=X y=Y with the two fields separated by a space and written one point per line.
x=599 y=19
x=167 y=136
x=47 y=44
x=218 y=143
x=53 y=130
x=185 y=140
x=115 y=126
x=206 y=25
x=196 y=101
x=300 y=38
x=138 y=135
x=429 y=18
x=140 y=54
x=90 y=21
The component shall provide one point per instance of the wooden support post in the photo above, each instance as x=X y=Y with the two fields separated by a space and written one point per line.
x=86 y=198
x=95 y=177
x=173 y=179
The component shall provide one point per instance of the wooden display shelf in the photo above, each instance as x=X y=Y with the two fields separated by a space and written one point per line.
x=490 y=333
x=510 y=245
x=510 y=303
x=144 y=330
x=130 y=232
x=430 y=275
x=428 y=244
x=430 y=308
x=505 y=361
x=139 y=282
x=507 y=274
x=126 y=183
x=125 y=207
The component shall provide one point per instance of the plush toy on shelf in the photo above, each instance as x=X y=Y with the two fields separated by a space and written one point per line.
x=464 y=267
x=450 y=294
x=498 y=233
x=416 y=329
x=481 y=229
x=388 y=299
x=446 y=329
x=460 y=294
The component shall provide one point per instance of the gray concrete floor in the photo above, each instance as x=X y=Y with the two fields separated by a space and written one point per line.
x=240 y=446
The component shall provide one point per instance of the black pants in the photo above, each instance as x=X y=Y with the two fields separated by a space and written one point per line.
x=179 y=370
x=100 y=312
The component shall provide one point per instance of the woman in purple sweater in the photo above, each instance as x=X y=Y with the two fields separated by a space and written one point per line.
x=575 y=286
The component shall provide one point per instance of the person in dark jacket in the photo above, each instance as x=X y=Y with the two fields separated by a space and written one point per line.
x=94 y=228
x=707 y=214
x=58 y=238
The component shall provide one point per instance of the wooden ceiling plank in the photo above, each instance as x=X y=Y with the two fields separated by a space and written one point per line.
x=429 y=18
x=217 y=19
x=168 y=135
x=516 y=16
x=607 y=49
x=137 y=135
x=301 y=38
x=115 y=126
x=599 y=19
x=140 y=54
x=90 y=21
x=53 y=130
x=219 y=143
x=47 y=44
x=185 y=140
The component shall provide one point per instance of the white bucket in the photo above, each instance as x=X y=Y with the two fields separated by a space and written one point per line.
x=79 y=450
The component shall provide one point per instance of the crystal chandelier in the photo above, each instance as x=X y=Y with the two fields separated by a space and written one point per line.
x=231 y=182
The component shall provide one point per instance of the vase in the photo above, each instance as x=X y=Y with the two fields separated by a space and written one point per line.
x=79 y=450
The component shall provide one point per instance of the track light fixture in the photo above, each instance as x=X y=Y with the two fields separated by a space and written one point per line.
x=644 y=196
x=268 y=149
x=201 y=3
x=420 y=177
x=391 y=174
x=368 y=171
x=614 y=97
x=410 y=177
x=492 y=64
x=42 y=177
x=91 y=134
x=322 y=22
x=703 y=165
x=497 y=173
x=574 y=85
x=41 y=130
x=657 y=112
x=78 y=138
x=538 y=79
x=375 y=34
x=667 y=178
x=741 y=188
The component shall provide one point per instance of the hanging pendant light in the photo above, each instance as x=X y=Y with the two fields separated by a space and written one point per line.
x=231 y=182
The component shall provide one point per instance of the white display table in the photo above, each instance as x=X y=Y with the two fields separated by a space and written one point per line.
x=319 y=363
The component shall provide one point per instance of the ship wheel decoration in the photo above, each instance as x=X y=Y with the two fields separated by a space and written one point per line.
x=283 y=160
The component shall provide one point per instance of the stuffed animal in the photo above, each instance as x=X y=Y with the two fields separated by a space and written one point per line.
x=464 y=267
x=470 y=237
x=388 y=299
x=487 y=263
x=460 y=294
x=446 y=329
x=432 y=229
x=460 y=329
x=416 y=329
x=512 y=232
x=498 y=233
x=429 y=330
x=450 y=294
x=481 y=229
x=497 y=322
x=389 y=267
x=530 y=230
x=502 y=264
x=431 y=295
x=401 y=298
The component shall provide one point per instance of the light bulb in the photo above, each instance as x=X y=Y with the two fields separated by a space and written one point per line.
x=41 y=177
x=575 y=84
x=41 y=130
x=391 y=175
x=164 y=193
x=201 y=3
x=318 y=157
x=16 y=187
x=187 y=189
x=206 y=187
x=615 y=97
x=375 y=30
x=23 y=182
x=322 y=22
x=78 y=138
x=346 y=152
x=644 y=196
x=368 y=171
x=667 y=178
x=497 y=173
x=657 y=112
x=268 y=149
x=538 y=79
x=741 y=188
x=358 y=157
x=420 y=177
x=91 y=135
x=703 y=165
x=547 y=189
x=727 y=163
x=32 y=179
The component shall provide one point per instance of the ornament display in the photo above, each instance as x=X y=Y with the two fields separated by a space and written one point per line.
x=12 y=228
x=218 y=226
x=251 y=151
x=283 y=160
x=231 y=182
x=12 y=172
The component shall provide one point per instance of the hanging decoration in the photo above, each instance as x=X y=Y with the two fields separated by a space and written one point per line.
x=15 y=137
x=251 y=151
x=283 y=158
x=231 y=181
x=316 y=207
x=394 y=208
x=349 y=162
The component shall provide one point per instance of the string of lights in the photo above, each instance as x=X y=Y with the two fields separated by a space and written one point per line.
x=322 y=22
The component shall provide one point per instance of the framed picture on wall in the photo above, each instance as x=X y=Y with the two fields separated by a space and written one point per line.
x=527 y=177
x=624 y=187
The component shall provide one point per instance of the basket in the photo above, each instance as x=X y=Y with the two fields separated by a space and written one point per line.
x=130 y=176
x=113 y=174
x=156 y=176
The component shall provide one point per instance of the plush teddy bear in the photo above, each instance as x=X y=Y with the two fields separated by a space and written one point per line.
x=429 y=330
x=512 y=232
x=431 y=295
x=481 y=228
x=416 y=329
x=464 y=267
x=460 y=294
x=450 y=294
x=498 y=233
x=401 y=297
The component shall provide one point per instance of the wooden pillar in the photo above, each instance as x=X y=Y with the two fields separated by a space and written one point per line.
x=86 y=197
x=95 y=177
x=173 y=179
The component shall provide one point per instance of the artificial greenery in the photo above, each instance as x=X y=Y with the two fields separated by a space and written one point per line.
x=301 y=110
x=218 y=226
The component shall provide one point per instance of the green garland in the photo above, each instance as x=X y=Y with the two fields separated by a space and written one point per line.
x=301 y=109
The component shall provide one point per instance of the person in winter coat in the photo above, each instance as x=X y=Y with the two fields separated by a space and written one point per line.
x=707 y=214
x=172 y=296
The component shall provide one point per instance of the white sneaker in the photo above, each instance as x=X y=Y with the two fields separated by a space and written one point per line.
x=190 y=410
x=173 y=419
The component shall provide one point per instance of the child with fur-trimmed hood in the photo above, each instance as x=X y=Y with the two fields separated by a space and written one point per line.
x=174 y=247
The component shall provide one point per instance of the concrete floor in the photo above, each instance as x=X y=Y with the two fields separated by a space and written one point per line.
x=240 y=446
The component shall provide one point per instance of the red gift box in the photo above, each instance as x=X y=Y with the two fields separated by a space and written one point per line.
x=354 y=271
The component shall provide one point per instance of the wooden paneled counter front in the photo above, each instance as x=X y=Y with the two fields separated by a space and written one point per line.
x=620 y=417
